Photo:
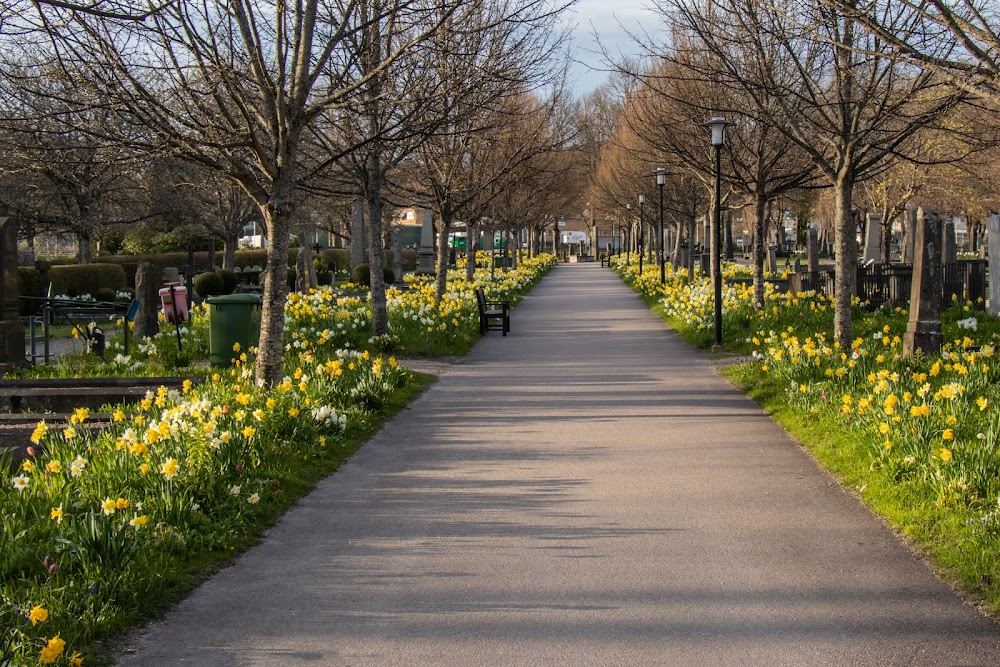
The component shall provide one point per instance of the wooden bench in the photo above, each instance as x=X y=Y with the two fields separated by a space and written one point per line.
x=489 y=317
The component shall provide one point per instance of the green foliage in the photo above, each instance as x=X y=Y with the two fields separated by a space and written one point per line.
x=106 y=294
x=918 y=437
x=229 y=280
x=76 y=280
x=209 y=284
x=362 y=275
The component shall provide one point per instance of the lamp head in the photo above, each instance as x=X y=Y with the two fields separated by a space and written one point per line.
x=661 y=175
x=642 y=198
x=718 y=126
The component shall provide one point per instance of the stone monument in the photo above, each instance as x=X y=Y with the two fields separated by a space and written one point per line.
x=873 y=238
x=812 y=248
x=425 y=255
x=148 y=279
x=11 y=327
x=993 y=241
x=949 y=247
x=923 y=330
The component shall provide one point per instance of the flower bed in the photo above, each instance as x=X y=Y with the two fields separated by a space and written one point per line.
x=915 y=436
x=102 y=528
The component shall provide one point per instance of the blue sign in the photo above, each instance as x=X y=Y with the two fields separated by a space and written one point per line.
x=133 y=308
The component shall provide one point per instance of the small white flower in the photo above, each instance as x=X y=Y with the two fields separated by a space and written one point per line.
x=234 y=490
x=20 y=482
x=254 y=498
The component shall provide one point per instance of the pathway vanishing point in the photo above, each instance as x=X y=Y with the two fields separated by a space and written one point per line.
x=585 y=491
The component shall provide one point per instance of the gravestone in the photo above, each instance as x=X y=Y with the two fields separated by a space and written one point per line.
x=993 y=241
x=425 y=255
x=873 y=238
x=949 y=247
x=148 y=279
x=11 y=328
x=923 y=330
x=812 y=248
x=397 y=253
x=906 y=252
x=772 y=258
x=171 y=275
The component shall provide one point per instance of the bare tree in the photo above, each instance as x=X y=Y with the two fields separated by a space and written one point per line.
x=487 y=69
x=836 y=91
x=234 y=86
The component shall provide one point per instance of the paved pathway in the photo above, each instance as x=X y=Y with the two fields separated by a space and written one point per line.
x=585 y=491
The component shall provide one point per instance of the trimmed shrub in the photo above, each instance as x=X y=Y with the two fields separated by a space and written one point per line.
x=208 y=284
x=362 y=275
x=229 y=281
x=106 y=294
x=79 y=279
x=28 y=278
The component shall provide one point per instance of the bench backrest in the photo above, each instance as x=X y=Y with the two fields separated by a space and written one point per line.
x=481 y=298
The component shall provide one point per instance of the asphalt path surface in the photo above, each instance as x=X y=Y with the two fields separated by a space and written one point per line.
x=585 y=491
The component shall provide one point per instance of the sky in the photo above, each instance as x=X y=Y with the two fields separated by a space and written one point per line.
x=609 y=19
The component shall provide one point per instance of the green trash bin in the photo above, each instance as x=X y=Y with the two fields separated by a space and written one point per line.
x=232 y=318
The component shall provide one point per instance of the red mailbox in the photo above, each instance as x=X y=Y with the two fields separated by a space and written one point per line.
x=173 y=299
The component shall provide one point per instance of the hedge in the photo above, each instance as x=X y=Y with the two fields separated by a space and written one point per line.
x=76 y=280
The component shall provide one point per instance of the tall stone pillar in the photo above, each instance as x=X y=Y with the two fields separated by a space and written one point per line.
x=993 y=242
x=906 y=252
x=949 y=247
x=812 y=248
x=11 y=328
x=873 y=239
x=148 y=280
x=397 y=253
x=425 y=255
x=923 y=330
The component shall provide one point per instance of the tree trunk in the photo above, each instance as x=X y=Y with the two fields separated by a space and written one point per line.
x=357 y=235
x=441 y=281
x=728 y=230
x=231 y=241
x=277 y=219
x=376 y=253
x=85 y=242
x=885 y=222
x=471 y=240
x=692 y=222
x=846 y=261
x=759 y=247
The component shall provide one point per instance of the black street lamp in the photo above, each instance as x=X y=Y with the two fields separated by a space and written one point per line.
x=642 y=235
x=661 y=178
x=628 y=230
x=718 y=126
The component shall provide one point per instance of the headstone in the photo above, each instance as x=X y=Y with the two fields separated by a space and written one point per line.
x=993 y=242
x=906 y=252
x=949 y=246
x=873 y=238
x=812 y=248
x=171 y=275
x=148 y=279
x=425 y=255
x=397 y=253
x=357 y=236
x=923 y=330
x=11 y=328
x=772 y=258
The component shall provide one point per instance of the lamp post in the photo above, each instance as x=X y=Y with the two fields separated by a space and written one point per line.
x=661 y=178
x=718 y=126
x=642 y=234
x=628 y=230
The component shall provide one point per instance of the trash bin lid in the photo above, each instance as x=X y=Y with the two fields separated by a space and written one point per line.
x=233 y=299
